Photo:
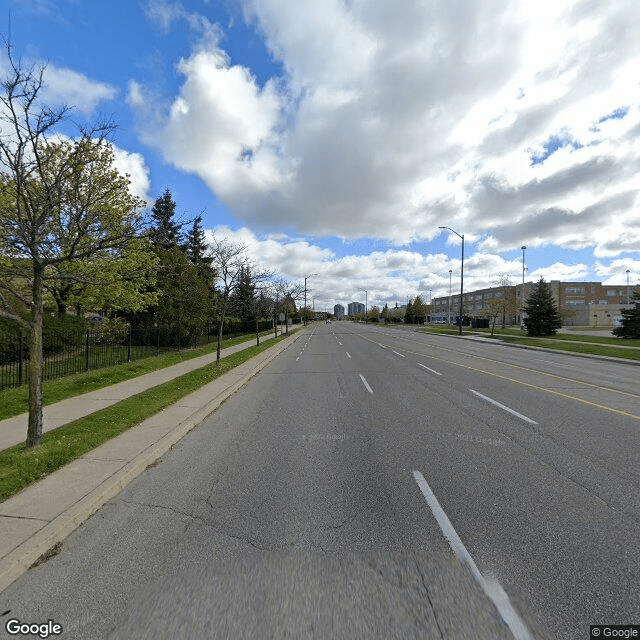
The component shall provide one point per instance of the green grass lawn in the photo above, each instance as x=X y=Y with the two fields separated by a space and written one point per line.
x=596 y=345
x=20 y=467
x=13 y=402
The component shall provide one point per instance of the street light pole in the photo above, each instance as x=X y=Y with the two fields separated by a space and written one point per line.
x=461 y=274
x=449 y=311
x=628 y=271
x=305 y=297
x=522 y=294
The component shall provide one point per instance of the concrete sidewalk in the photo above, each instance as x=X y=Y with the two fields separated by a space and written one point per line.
x=14 y=430
x=46 y=512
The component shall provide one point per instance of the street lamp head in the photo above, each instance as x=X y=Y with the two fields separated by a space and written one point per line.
x=523 y=247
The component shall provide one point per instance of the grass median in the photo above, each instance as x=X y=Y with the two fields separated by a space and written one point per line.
x=575 y=343
x=15 y=401
x=20 y=467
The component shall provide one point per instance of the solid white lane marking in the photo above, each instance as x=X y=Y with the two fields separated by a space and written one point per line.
x=515 y=413
x=348 y=356
x=365 y=383
x=398 y=354
x=432 y=370
x=492 y=589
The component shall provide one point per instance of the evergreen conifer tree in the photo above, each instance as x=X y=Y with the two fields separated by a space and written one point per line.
x=630 y=320
x=542 y=317
x=165 y=233
x=196 y=244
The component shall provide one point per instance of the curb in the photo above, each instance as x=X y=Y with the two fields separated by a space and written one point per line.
x=18 y=561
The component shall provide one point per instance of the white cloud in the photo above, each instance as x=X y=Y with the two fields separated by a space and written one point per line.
x=392 y=119
x=397 y=273
x=133 y=165
x=64 y=86
x=163 y=14
x=135 y=95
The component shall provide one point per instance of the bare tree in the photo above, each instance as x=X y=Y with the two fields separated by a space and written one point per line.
x=287 y=294
x=61 y=203
x=230 y=260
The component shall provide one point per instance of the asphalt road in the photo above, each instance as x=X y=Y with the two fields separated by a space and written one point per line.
x=300 y=508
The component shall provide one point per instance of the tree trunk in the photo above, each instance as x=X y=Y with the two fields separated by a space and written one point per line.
x=36 y=361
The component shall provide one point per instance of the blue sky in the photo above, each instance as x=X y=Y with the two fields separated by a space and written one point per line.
x=337 y=136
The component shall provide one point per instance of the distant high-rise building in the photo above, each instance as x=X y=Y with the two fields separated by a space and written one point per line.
x=338 y=312
x=355 y=308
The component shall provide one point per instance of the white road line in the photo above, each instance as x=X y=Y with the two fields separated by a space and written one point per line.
x=432 y=370
x=398 y=354
x=515 y=413
x=365 y=383
x=340 y=343
x=492 y=589
x=348 y=356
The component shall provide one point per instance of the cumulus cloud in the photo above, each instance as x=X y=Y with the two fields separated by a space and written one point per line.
x=64 y=86
x=395 y=272
x=133 y=165
x=392 y=119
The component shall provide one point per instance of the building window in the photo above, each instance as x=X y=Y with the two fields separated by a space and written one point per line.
x=574 y=291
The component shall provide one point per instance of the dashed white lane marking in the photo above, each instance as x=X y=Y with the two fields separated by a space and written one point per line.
x=365 y=383
x=348 y=355
x=432 y=370
x=398 y=354
x=515 y=413
x=492 y=589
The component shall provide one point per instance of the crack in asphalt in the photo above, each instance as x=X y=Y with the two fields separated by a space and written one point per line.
x=199 y=519
x=426 y=590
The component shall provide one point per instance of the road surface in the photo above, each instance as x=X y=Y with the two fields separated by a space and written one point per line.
x=373 y=482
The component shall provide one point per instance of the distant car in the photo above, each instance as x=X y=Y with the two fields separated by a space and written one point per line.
x=327 y=321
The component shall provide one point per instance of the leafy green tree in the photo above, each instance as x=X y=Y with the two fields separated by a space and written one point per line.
x=419 y=310
x=630 y=320
x=61 y=203
x=542 y=317
x=185 y=276
x=409 y=314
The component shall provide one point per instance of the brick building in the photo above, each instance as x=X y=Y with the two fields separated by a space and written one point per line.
x=579 y=303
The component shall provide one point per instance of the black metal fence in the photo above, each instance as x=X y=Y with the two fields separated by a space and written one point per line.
x=69 y=352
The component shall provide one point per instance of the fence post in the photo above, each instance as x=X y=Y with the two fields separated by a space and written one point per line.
x=86 y=351
x=157 y=340
x=129 y=346
x=20 y=357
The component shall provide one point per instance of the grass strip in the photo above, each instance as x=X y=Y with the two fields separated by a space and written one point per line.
x=593 y=348
x=20 y=467
x=593 y=345
x=13 y=402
